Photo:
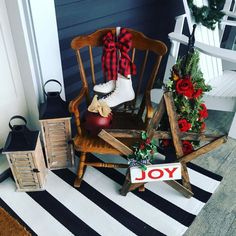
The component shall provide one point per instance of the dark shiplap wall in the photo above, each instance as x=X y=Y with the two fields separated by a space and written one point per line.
x=155 y=18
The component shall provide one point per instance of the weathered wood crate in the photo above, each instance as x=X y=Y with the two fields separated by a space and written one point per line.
x=56 y=137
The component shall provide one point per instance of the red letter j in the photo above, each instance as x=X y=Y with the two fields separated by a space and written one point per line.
x=142 y=177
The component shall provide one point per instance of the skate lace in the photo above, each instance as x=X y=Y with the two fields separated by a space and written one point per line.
x=109 y=96
x=106 y=84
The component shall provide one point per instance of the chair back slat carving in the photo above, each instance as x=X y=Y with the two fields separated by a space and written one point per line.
x=92 y=65
x=140 y=41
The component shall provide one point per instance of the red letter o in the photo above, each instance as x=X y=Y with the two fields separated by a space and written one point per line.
x=161 y=173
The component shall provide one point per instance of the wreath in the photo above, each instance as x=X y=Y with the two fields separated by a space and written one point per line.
x=208 y=15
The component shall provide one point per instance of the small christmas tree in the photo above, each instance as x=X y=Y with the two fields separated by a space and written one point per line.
x=188 y=87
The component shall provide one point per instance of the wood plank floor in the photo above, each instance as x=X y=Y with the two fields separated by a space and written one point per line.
x=218 y=217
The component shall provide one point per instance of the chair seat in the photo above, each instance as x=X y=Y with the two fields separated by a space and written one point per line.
x=224 y=85
x=87 y=143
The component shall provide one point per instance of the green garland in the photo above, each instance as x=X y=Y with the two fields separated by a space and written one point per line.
x=208 y=15
x=188 y=87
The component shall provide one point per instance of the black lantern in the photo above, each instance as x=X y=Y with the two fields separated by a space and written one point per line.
x=56 y=129
x=24 y=153
x=54 y=107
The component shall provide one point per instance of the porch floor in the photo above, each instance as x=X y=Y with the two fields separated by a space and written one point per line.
x=218 y=216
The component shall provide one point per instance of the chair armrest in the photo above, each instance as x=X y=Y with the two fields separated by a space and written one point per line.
x=230 y=14
x=73 y=108
x=73 y=105
x=225 y=54
x=228 y=22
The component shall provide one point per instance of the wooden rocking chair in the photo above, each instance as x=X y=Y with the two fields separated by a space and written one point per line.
x=223 y=94
x=125 y=119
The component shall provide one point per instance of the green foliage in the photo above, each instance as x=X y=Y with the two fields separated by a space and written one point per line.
x=208 y=15
x=144 y=152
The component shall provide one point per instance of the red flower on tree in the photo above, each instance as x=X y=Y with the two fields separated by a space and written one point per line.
x=148 y=141
x=203 y=127
x=142 y=146
x=185 y=87
x=203 y=112
x=187 y=147
x=184 y=125
x=197 y=93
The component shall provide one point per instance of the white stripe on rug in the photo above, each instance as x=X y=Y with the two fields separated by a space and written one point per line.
x=84 y=208
x=191 y=205
x=133 y=204
x=36 y=217
x=202 y=181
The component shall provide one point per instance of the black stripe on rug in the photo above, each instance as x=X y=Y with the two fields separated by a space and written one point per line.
x=204 y=171
x=62 y=214
x=124 y=217
x=5 y=175
x=200 y=194
x=160 y=203
x=13 y=214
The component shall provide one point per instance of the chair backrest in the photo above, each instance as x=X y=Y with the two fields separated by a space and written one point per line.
x=210 y=66
x=230 y=11
x=89 y=50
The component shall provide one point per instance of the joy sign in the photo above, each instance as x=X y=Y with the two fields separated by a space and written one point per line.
x=158 y=172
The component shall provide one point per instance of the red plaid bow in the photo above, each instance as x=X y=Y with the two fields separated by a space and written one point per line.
x=110 y=55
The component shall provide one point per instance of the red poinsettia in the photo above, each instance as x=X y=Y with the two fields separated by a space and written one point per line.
x=187 y=147
x=184 y=125
x=184 y=86
x=203 y=112
x=197 y=93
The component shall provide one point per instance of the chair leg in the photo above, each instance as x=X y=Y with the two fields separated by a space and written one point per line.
x=232 y=131
x=80 y=171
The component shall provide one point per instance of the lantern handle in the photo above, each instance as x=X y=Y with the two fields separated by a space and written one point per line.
x=51 y=80
x=16 y=117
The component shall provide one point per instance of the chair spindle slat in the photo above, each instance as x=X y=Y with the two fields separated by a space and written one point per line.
x=83 y=76
x=140 y=79
x=81 y=69
x=154 y=73
x=133 y=55
x=92 y=64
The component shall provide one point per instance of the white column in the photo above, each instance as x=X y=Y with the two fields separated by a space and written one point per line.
x=46 y=39
x=35 y=35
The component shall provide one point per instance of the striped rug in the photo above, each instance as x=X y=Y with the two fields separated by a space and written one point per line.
x=97 y=208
